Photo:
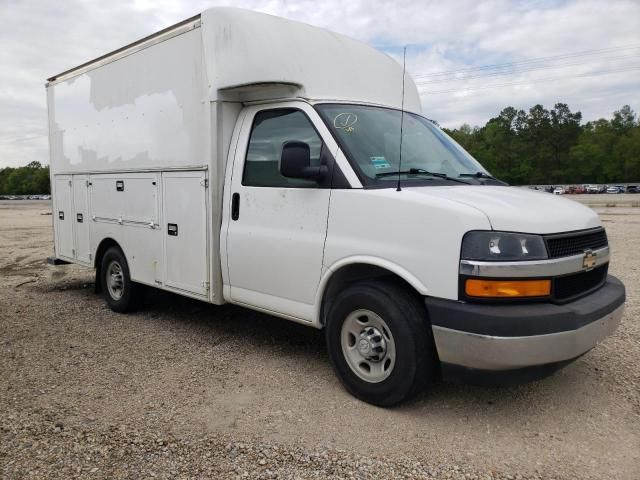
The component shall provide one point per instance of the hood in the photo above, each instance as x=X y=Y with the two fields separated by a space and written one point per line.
x=514 y=209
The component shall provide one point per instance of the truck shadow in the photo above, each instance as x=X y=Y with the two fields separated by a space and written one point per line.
x=308 y=345
x=265 y=336
x=249 y=326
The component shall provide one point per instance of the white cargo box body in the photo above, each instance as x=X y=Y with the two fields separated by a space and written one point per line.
x=139 y=138
x=130 y=154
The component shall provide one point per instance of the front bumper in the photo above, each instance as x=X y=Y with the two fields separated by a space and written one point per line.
x=517 y=336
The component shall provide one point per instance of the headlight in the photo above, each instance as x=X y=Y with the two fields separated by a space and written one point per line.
x=500 y=246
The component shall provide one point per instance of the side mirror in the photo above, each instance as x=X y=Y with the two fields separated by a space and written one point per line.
x=295 y=162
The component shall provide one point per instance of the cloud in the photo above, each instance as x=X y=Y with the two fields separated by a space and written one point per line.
x=41 y=38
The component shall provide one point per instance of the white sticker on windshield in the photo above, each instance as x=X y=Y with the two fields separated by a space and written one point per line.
x=379 y=162
x=345 y=121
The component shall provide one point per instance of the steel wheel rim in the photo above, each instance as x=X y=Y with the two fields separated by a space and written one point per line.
x=115 y=280
x=368 y=346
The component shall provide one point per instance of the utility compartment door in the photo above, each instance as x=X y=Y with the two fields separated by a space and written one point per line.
x=125 y=198
x=184 y=203
x=80 y=218
x=125 y=206
x=63 y=216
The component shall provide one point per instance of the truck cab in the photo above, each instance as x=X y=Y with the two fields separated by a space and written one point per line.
x=281 y=175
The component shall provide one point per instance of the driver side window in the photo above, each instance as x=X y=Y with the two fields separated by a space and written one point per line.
x=270 y=130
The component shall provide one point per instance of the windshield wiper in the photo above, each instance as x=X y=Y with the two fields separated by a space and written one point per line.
x=420 y=171
x=478 y=175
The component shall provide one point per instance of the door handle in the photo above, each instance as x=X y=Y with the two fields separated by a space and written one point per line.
x=235 y=206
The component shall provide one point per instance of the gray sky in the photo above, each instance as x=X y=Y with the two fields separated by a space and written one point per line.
x=584 y=52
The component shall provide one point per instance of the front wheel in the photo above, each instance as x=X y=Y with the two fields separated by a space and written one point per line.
x=380 y=342
x=120 y=292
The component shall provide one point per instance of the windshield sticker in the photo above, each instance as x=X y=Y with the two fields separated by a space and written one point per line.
x=379 y=162
x=345 y=121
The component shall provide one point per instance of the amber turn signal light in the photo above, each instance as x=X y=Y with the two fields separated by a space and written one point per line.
x=507 y=288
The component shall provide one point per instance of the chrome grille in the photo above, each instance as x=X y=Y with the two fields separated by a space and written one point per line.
x=568 y=287
x=568 y=244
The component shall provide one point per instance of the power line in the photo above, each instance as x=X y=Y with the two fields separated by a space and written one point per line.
x=23 y=139
x=527 y=62
x=533 y=82
x=518 y=71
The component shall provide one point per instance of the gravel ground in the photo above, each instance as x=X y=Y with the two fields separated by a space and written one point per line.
x=189 y=390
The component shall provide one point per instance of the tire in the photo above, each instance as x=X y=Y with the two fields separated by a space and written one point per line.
x=398 y=347
x=122 y=294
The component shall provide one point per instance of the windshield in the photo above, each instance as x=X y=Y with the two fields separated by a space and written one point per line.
x=370 y=137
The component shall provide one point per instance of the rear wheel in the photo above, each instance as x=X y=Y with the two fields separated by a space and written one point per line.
x=122 y=294
x=380 y=342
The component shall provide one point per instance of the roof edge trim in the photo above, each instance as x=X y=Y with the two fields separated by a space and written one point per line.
x=157 y=37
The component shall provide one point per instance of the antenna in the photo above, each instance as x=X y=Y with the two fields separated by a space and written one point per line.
x=404 y=66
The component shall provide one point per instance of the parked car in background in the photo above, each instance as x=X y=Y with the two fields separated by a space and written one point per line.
x=559 y=191
x=592 y=189
x=633 y=189
x=615 y=189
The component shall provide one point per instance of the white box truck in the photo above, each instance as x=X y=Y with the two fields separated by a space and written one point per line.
x=241 y=158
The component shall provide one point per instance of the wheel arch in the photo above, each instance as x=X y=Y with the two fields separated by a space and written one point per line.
x=349 y=270
x=105 y=244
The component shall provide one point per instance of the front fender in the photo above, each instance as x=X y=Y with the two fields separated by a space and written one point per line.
x=367 y=260
x=412 y=233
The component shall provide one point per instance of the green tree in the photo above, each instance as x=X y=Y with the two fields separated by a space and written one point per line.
x=624 y=119
x=543 y=146
x=30 y=180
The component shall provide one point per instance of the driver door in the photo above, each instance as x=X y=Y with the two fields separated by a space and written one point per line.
x=277 y=225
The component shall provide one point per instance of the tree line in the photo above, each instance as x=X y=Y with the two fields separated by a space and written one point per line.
x=546 y=147
x=30 y=180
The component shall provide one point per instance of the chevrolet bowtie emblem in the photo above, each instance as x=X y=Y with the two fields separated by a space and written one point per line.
x=589 y=260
